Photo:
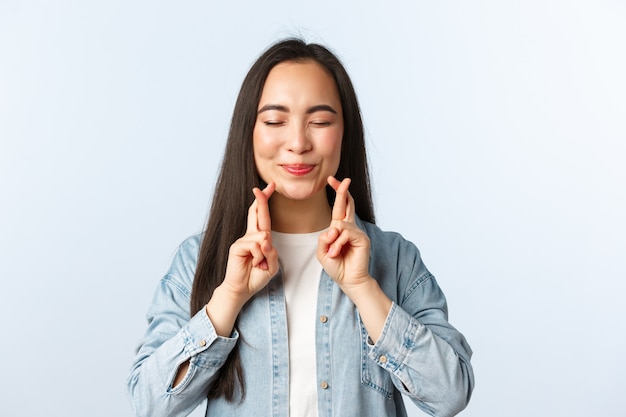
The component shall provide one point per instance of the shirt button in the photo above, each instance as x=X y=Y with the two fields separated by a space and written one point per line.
x=324 y=385
x=382 y=359
x=323 y=319
x=202 y=343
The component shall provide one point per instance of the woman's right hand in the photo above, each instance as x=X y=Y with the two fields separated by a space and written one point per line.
x=252 y=259
x=252 y=262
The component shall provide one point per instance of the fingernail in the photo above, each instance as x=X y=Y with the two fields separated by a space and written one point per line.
x=263 y=265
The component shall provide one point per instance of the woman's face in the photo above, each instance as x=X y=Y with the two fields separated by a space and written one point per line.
x=298 y=131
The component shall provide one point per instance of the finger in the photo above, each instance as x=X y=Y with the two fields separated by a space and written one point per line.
x=271 y=256
x=242 y=246
x=258 y=254
x=329 y=236
x=246 y=253
x=263 y=219
x=333 y=182
x=257 y=246
x=350 y=209
x=337 y=246
x=341 y=200
x=269 y=189
x=252 y=218
x=257 y=237
x=325 y=240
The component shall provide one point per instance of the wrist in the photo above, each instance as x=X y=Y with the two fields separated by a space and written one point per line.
x=372 y=303
x=362 y=292
x=229 y=296
x=223 y=309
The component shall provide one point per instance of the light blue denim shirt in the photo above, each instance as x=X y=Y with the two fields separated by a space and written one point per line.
x=418 y=354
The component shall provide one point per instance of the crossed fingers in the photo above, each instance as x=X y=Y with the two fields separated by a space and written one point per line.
x=343 y=209
x=259 y=219
x=260 y=225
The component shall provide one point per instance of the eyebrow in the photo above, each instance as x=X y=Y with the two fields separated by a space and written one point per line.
x=320 y=107
x=310 y=110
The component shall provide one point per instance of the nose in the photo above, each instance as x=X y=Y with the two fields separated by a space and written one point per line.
x=298 y=139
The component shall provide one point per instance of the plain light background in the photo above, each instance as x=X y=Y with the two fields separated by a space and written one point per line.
x=496 y=137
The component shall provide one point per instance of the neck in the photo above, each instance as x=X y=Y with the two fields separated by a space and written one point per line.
x=300 y=216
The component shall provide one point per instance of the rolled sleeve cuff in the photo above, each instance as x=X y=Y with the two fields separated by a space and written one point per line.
x=199 y=335
x=396 y=340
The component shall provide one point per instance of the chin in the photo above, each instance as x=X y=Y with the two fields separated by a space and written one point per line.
x=299 y=193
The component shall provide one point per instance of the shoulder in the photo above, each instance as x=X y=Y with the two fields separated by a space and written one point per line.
x=395 y=262
x=183 y=267
x=190 y=247
x=387 y=241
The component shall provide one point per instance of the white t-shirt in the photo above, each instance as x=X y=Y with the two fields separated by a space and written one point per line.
x=301 y=276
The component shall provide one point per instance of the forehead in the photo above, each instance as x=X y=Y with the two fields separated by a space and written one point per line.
x=300 y=80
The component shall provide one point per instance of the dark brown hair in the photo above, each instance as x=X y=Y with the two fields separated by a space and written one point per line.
x=238 y=175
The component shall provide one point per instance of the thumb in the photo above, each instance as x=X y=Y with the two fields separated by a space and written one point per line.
x=325 y=240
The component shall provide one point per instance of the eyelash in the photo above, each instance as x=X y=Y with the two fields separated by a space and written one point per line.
x=272 y=123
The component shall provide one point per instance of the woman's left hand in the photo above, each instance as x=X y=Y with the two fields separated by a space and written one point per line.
x=344 y=249
x=344 y=252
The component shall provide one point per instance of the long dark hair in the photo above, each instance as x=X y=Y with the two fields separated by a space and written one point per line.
x=238 y=175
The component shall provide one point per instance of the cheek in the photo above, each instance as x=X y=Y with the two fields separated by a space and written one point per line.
x=331 y=144
x=262 y=145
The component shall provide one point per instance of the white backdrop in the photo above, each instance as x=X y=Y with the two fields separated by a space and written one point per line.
x=496 y=136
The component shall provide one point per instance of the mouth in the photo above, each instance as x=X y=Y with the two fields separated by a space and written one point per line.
x=298 y=169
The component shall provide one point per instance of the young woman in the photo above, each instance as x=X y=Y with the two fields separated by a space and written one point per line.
x=292 y=302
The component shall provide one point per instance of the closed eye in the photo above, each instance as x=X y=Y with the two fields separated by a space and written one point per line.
x=273 y=123
x=320 y=124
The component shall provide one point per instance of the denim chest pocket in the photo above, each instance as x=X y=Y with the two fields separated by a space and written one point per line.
x=372 y=375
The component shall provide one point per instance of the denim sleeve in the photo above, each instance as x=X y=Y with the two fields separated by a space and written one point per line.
x=428 y=359
x=171 y=339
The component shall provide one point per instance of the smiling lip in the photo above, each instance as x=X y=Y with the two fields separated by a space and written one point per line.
x=298 y=169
